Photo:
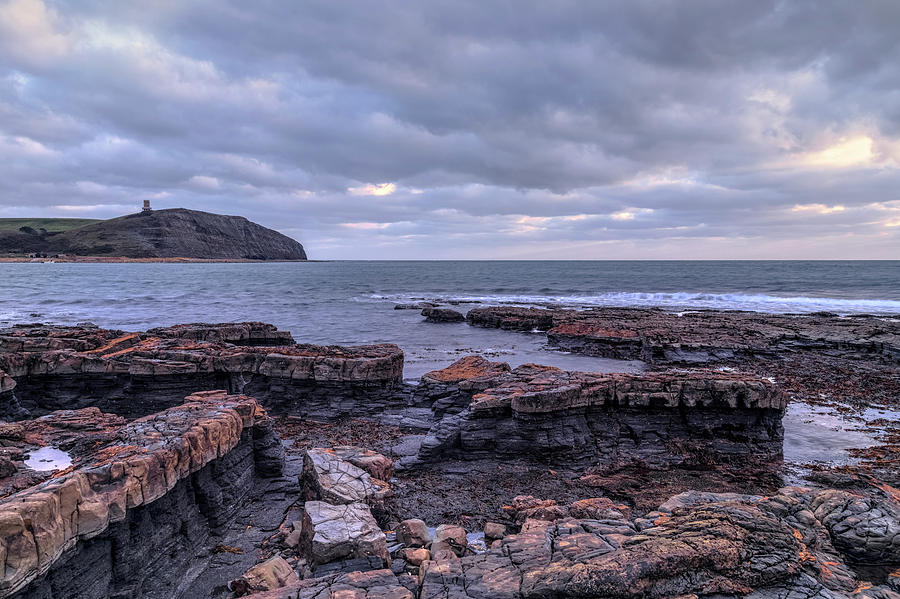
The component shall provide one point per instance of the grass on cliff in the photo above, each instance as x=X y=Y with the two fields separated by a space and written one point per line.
x=51 y=225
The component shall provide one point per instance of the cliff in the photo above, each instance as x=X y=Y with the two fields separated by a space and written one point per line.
x=172 y=233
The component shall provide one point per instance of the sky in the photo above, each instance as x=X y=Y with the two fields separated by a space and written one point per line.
x=456 y=129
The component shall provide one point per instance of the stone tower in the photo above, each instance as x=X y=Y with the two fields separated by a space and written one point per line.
x=147 y=207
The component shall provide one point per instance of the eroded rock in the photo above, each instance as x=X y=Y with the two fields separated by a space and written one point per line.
x=120 y=468
x=442 y=315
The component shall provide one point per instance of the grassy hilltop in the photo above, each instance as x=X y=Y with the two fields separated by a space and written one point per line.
x=51 y=225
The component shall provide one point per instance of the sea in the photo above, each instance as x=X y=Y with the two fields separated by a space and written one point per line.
x=352 y=302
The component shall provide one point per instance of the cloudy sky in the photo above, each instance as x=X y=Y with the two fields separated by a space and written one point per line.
x=457 y=129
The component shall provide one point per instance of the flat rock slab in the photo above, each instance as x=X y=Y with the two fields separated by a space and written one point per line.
x=337 y=532
x=377 y=465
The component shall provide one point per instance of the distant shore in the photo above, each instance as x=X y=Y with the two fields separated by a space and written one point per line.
x=120 y=259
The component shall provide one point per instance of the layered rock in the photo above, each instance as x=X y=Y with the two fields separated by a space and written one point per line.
x=134 y=374
x=701 y=336
x=238 y=333
x=579 y=418
x=166 y=480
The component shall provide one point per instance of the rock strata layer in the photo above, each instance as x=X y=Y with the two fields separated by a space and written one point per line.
x=135 y=474
x=46 y=368
x=663 y=419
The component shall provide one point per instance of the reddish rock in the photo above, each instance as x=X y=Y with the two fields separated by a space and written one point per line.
x=120 y=468
x=377 y=465
x=468 y=367
x=274 y=573
x=697 y=337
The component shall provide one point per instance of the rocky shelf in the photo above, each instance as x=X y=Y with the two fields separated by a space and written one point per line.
x=44 y=368
x=699 y=336
x=486 y=410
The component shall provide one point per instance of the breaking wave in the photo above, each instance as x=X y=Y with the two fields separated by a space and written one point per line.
x=674 y=300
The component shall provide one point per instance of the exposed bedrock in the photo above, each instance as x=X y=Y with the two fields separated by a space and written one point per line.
x=43 y=369
x=721 y=545
x=129 y=516
x=690 y=418
x=710 y=545
x=692 y=337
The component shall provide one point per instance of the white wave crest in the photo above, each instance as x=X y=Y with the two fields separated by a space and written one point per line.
x=681 y=300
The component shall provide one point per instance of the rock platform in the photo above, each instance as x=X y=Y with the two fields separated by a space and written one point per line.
x=698 y=336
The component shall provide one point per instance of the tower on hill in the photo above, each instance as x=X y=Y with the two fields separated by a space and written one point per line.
x=147 y=207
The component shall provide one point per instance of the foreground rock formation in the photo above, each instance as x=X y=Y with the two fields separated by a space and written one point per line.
x=154 y=496
x=799 y=542
x=125 y=518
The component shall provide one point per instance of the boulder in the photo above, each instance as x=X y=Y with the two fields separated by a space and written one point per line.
x=450 y=537
x=415 y=557
x=336 y=532
x=378 y=466
x=864 y=527
x=494 y=531
x=274 y=573
x=413 y=533
x=327 y=477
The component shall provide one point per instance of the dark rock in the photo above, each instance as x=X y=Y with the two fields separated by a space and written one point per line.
x=697 y=337
x=141 y=501
x=442 y=315
x=692 y=418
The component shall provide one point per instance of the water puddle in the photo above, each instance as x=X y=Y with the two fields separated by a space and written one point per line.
x=47 y=459
x=822 y=435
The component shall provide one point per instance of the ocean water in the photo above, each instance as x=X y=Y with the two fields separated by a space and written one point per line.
x=352 y=302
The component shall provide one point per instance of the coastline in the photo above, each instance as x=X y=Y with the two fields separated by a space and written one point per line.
x=124 y=260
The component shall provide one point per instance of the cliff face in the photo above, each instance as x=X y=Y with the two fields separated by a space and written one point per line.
x=175 y=233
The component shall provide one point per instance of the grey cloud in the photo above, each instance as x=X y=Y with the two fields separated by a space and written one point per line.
x=693 y=115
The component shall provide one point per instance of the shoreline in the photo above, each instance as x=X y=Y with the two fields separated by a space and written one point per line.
x=124 y=260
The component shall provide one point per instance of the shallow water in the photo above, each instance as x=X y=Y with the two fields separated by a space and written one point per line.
x=47 y=459
x=821 y=435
